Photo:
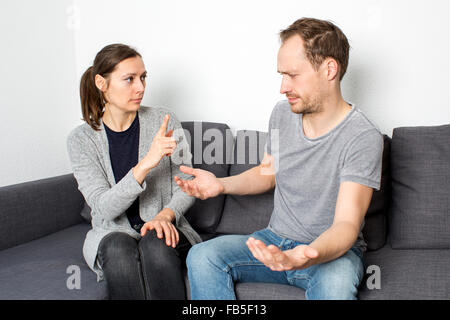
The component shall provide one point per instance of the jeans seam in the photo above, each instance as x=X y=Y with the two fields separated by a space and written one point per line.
x=228 y=268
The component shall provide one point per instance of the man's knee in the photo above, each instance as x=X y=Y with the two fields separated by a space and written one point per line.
x=334 y=287
x=336 y=281
x=197 y=255
x=205 y=254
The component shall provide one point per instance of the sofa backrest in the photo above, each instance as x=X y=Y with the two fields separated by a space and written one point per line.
x=375 y=222
x=246 y=214
x=211 y=147
x=420 y=170
x=35 y=209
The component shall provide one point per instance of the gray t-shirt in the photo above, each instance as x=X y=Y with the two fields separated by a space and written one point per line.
x=309 y=171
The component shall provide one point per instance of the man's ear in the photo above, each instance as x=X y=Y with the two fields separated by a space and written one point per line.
x=100 y=83
x=332 y=68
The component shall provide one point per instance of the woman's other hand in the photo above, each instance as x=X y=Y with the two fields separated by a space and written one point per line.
x=163 y=226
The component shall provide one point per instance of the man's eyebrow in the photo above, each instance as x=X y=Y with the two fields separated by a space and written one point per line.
x=284 y=72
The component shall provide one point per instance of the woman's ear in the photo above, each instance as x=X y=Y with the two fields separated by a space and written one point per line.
x=100 y=83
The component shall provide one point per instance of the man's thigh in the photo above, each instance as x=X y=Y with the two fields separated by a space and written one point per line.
x=336 y=279
x=240 y=262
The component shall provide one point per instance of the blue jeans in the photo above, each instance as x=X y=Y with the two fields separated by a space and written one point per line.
x=215 y=265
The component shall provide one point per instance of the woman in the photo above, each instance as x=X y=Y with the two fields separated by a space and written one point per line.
x=122 y=158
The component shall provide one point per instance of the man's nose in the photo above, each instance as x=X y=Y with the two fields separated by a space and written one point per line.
x=285 y=85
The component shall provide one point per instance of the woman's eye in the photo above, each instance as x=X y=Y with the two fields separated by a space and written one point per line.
x=143 y=78
x=130 y=79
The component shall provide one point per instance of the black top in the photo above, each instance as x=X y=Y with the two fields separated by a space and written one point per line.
x=124 y=155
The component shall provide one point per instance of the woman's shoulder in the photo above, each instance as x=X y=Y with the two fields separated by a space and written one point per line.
x=82 y=134
x=155 y=115
x=158 y=111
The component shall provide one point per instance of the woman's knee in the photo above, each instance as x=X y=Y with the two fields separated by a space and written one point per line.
x=155 y=250
x=117 y=248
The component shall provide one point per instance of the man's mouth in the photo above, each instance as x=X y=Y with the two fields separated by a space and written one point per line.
x=292 y=99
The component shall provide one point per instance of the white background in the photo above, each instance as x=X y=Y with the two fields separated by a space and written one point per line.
x=207 y=60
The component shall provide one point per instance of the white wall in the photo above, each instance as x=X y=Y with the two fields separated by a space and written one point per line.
x=208 y=60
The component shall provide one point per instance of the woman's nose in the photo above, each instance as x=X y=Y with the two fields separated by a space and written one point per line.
x=140 y=85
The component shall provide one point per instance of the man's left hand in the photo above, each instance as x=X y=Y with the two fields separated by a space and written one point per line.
x=299 y=257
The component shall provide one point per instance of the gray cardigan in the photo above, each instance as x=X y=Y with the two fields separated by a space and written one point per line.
x=89 y=155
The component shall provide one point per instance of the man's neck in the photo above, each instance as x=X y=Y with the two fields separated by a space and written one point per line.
x=117 y=120
x=320 y=123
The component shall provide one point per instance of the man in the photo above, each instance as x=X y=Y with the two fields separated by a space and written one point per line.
x=329 y=161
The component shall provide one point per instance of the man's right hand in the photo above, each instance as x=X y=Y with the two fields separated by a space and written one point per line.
x=204 y=185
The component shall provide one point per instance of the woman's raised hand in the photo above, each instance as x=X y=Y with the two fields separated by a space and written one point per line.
x=163 y=145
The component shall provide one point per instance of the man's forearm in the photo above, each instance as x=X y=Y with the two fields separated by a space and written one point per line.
x=334 y=242
x=249 y=182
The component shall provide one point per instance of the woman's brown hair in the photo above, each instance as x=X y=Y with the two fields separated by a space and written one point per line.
x=92 y=99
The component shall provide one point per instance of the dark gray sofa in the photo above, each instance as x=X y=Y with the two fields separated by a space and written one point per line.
x=407 y=225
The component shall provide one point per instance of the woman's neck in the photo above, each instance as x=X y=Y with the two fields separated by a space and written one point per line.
x=116 y=119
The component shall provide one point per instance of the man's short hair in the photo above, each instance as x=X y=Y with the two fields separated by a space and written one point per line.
x=322 y=40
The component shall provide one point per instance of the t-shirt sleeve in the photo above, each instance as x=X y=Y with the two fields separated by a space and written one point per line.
x=273 y=131
x=363 y=160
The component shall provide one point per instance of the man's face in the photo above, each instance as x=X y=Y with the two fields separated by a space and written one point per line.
x=300 y=83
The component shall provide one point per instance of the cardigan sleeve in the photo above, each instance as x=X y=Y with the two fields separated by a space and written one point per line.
x=105 y=200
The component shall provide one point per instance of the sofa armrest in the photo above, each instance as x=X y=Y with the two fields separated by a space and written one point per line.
x=35 y=209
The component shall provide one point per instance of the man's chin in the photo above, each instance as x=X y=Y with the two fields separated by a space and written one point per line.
x=296 y=108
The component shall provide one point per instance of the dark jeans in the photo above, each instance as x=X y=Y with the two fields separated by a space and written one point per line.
x=143 y=269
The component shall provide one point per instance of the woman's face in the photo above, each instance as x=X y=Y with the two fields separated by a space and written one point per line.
x=125 y=86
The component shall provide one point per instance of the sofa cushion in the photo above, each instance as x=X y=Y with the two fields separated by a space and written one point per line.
x=375 y=222
x=40 y=269
x=34 y=209
x=211 y=146
x=268 y=291
x=407 y=274
x=246 y=214
x=420 y=170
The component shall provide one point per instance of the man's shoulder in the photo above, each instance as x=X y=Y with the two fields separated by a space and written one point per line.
x=281 y=109
x=282 y=106
x=359 y=123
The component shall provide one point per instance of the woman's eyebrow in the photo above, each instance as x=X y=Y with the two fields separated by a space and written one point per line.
x=134 y=74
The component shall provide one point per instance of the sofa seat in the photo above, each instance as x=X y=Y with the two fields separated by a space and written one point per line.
x=415 y=274
x=37 y=269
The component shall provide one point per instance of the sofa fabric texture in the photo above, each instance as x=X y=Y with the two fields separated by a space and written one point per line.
x=420 y=170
